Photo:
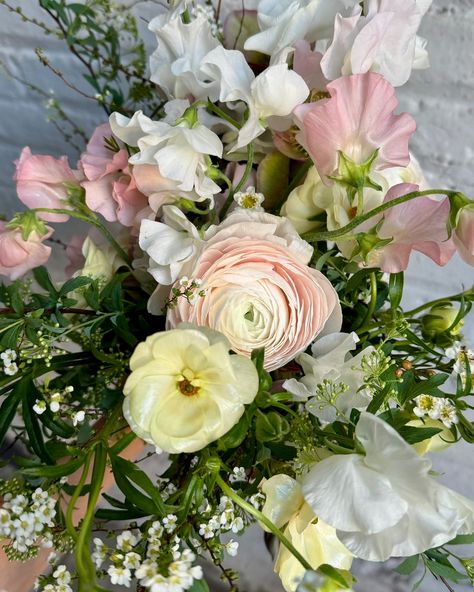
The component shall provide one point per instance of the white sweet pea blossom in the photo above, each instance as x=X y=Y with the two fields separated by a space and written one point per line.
x=175 y=64
x=181 y=151
x=284 y=22
x=383 y=39
x=391 y=507
x=262 y=94
x=331 y=362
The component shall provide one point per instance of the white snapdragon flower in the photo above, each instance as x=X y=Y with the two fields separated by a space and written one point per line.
x=262 y=94
x=331 y=361
x=175 y=64
x=284 y=22
x=383 y=40
x=181 y=151
x=390 y=506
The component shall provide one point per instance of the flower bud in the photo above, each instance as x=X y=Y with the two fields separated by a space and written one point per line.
x=439 y=320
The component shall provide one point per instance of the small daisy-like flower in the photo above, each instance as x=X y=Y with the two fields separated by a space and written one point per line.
x=132 y=560
x=238 y=474
x=257 y=500
x=237 y=525
x=427 y=405
x=126 y=541
x=206 y=531
x=169 y=522
x=11 y=369
x=155 y=530
x=78 y=417
x=448 y=414
x=62 y=575
x=146 y=570
x=8 y=356
x=250 y=199
x=55 y=402
x=120 y=575
x=39 y=407
x=232 y=547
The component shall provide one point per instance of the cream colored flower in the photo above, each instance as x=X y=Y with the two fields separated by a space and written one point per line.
x=313 y=538
x=100 y=262
x=186 y=390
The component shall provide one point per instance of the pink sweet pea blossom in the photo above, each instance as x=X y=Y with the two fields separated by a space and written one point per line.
x=357 y=120
x=416 y=225
x=464 y=234
x=41 y=182
x=110 y=186
x=17 y=255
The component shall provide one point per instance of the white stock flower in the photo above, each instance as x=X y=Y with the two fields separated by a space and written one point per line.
x=263 y=94
x=181 y=151
x=314 y=539
x=384 y=503
x=286 y=21
x=331 y=361
x=175 y=64
x=383 y=41
x=186 y=390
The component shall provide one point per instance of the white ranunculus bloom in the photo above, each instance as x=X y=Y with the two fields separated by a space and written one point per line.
x=384 y=503
x=186 y=390
x=262 y=94
x=284 y=22
x=384 y=41
x=173 y=245
x=331 y=361
x=314 y=539
x=181 y=151
x=175 y=64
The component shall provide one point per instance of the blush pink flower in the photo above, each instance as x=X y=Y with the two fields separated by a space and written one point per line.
x=110 y=186
x=464 y=234
x=416 y=225
x=42 y=182
x=17 y=255
x=357 y=119
x=258 y=289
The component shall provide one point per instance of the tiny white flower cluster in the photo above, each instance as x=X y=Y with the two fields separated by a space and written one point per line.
x=62 y=580
x=26 y=520
x=224 y=520
x=250 y=199
x=462 y=356
x=10 y=367
x=238 y=474
x=181 y=573
x=436 y=408
x=54 y=401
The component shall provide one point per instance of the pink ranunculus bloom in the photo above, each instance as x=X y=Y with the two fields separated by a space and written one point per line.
x=41 y=182
x=464 y=234
x=110 y=186
x=259 y=290
x=357 y=119
x=17 y=255
x=416 y=225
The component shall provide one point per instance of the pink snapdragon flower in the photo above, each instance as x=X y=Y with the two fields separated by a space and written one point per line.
x=357 y=120
x=17 y=255
x=416 y=225
x=42 y=182
x=463 y=236
x=110 y=186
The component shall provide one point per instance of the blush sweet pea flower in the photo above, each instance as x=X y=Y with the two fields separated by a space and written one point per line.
x=186 y=390
x=258 y=288
x=110 y=187
x=416 y=225
x=391 y=507
x=463 y=236
x=314 y=539
x=42 y=182
x=357 y=120
x=19 y=255
x=384 y=40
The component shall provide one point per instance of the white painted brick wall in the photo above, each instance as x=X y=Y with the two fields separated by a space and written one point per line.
x=442 y=101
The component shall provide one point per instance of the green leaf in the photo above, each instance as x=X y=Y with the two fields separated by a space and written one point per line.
x=74 y=284
x=32 y=426
x=55 y=471
x=199 y=586
x=10 y=337
x=395 y=289
x=42 y=277
x=414 y=435
x=10 y=405
x=236 y=435
x=106 y=514
x=462 y=539
x=270 y=426
x=56 y=425
x=272 y=174
x=408 y=566
x=336 y=575
x=446 y=572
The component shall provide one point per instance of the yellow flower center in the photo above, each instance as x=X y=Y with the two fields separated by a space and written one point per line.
x=187 y=388
x=249 y=201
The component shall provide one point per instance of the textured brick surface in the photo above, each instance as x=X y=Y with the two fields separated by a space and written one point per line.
x=442 y=101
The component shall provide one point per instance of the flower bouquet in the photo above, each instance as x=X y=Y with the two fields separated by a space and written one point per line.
x=232 y=310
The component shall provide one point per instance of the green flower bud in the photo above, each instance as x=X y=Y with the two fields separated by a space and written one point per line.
x=439 y=320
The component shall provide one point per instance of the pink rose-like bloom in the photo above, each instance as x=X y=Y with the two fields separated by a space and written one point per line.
x=357 y=120
x=41 y=182
x=110 y=186
x=17 y=255
x=464 y=234
x=416 y=225
x=259 y=290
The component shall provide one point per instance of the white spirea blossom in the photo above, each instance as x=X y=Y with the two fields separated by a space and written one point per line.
x=391 y=507
x=249 y=199
x=186 y=390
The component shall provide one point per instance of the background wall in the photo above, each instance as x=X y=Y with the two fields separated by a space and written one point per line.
x=442 y=101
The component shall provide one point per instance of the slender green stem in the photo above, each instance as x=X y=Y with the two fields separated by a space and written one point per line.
x=241 y=183
x=372 y=303
x=229 y=492
x=75 y=496
x=222 y=114
x=95 y=222
x=86 y=570
x=335 y=234
x=432 y=303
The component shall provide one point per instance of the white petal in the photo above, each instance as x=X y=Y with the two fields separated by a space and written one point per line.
x=267 y=91
x=229 y=67
x=283 y=498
